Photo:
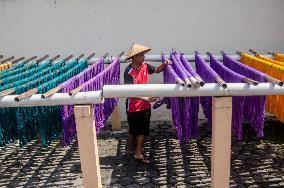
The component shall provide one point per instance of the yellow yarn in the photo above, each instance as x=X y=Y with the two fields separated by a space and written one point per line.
x=279 y=57
x=274 y=103
x=273 y=61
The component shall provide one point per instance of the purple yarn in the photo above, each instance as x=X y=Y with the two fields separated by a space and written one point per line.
x=109 y=76
x=169 y=76
x=254 y=107
x=67 y=111
x=178 y=67
x=238 y=102
x=184 y=110
x=190 y=104
x=187 y=65
x=208 y=75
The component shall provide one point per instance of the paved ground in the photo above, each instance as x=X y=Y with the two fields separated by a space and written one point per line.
x=255 y=163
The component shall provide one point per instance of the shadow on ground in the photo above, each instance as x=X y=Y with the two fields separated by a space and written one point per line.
x=254 y=162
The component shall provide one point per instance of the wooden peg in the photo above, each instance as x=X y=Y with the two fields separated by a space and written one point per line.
x=274 y=81
x=208 y=53
x=51 y=92
x=250 y=81
x=30 y=59
x=105 y=55
x=180 y=82
x=26 y=94
x=253 y=52
x=7 y=92
x=200 y=81
x=76 y=90
x=54 y=58
x=79 y=57
x=121 y=54
x=42 y=58
x=239 y=53
x=221 y=82
x=68 y=58
x=91 y=56
x=18 y=60
x=8 y=59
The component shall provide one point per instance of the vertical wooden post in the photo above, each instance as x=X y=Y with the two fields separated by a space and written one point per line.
x=221 y=141
x=88 y=147
x=115 y=119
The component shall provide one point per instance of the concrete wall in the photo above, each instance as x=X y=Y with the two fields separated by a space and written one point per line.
x=32 y=27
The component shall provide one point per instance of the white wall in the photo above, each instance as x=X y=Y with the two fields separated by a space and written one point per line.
x=29 y=27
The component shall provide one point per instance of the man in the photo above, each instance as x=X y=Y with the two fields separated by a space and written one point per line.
x=138 y=109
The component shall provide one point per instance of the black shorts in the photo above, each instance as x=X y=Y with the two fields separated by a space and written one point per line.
x=139 y=122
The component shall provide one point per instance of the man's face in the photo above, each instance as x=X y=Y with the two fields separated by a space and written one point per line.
x=139 y=58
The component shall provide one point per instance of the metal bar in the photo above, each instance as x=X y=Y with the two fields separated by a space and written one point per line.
x=138 y=90
x=92 y=97
x=174 y=90
x=157 y=58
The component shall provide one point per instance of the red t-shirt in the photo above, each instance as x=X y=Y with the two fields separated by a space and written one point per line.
x=135 y=76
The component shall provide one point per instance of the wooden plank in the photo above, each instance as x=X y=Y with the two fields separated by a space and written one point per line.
x=115 y=119
x=88 y=147
x=221 y=141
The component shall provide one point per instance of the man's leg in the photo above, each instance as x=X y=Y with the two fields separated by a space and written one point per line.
x=139 y=145
x=131 y=142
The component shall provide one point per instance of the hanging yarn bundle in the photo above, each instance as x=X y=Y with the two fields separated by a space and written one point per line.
x=109 y=76
x=25 y=74
x=190 y=104
x=170 y=77
x=278 y=57
x=14 y=67
x=209 y=76
x=238 y=102
x=44 y=119
x=35 y=76
x=5 y=66
x=67 y=111
x=275 y=103
x=254 y=106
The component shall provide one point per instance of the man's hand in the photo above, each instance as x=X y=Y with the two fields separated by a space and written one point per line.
x=162 y=66
x=168 y=62
x=148 y=99
x=153 y=99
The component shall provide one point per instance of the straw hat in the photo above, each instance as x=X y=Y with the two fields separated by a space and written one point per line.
x=136 y=49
